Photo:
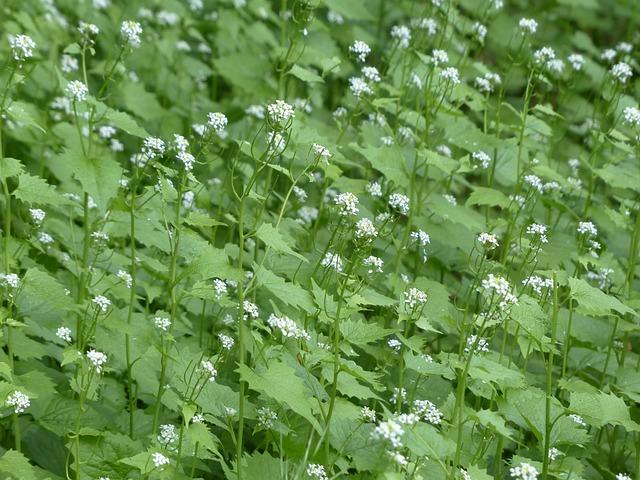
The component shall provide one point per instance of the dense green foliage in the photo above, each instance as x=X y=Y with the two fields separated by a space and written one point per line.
x=313 y=239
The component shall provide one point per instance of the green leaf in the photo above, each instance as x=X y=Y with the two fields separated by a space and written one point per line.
x=387 y=160
x=599 y=409
x=10 y=167
x=358 y=332
x=277 y=240
x=594 y=301
x=98 y=177
x=281 y=383
x=287 y=292
x=488 y=196
x=36 y=190
x=16 y=466
x=305 y=74
x=125 y=122
x=24 y=114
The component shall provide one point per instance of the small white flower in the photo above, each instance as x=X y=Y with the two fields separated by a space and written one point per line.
x=207 y=367
x=576 y=60
x=22 y=47
x=427 y=411
x=97 y=359
x=450 y=74
x=524 y=471
x=621 y=72
x=226 y=341
x=554 y=454
x=373 y=263
x=528 y=25
x=88 y=30
x=438 y=57
x=535 y=182
x=421 y=237
x=68 y=64
x=316 y=471
x=168 y=434
x=162 y=323
x=217 y=121
x=280 y=112
x=578 y=419
x=538 y=283
x=365 y=229
x=360 y=49
x=348 y=203
x=159 y=460
x=266 y=417
x=391 y=431
x=37 y=216
x=402 y=34
x=632 y=116
x=287 y=327
x=482 y=158
x=399 y=202
x=18 y=401
x=130 y=32
x=359 y=86
x=10 y=280
x=102 y=302
x=44 y=238
x=332 y=260
x=334 y=17
x=481 y=345
x=374 y=189
x=371 y=74
x=608 y=55
x=321 y=152
x=621 y=476
x=368 y=414
x=125 y=277
x=76 y=91
x=539 y=230
x=488 y=240
x=428 y=24
x=250 y=309
x=587 y=228
x=414 y=298
x=256 y=111
x=64 y=333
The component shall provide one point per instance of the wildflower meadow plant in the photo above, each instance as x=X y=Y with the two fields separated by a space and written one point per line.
x=319 y=240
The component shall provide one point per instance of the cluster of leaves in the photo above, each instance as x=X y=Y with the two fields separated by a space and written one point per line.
x=320 y=239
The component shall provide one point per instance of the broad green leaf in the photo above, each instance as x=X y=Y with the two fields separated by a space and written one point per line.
x=594 y=301
x=277 y=240
x=305 y=74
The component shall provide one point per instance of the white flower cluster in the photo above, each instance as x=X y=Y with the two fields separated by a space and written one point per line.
x=359 y=86
x=389 y=430
x=315 y=470
x=287 y=327
x=439 y=56
x=250 y=309
x=348 y=203
x=576 y=61
x=399 y=202
x=64 y=333
x=365 y=229
x=217 y=121
x=450 y=74
x=535 y=182
x=10 y=280
x=481 y=345
x=130 y=32
x=18 y=401
x=76 y=91
x=528 y=25
x=102 y=302
x=226 y=341
x=524 y=471
x=538 y=283
x=421 y=237
x=280 y=111
x=497 y=285
x=373 y=263
x=168 y=434
x=368 y=414
x=97 y=359
x=427 y=411
x=632 y=116
x=22 y=47
x=360 y=49
x=162 y=323
x=266 y=417
x=414 y=298
x=538 y=230
x=481 y=158
x=207 y=368
x=402 y=35
x=220 y=288
x=621 y=72
x=125 y=277
x=578 y=419
x=321 y=152
x=332 y=260
x=487 y=82
x=488 y=240
x=587 y=228
x=371 y=74
x=159 y=460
